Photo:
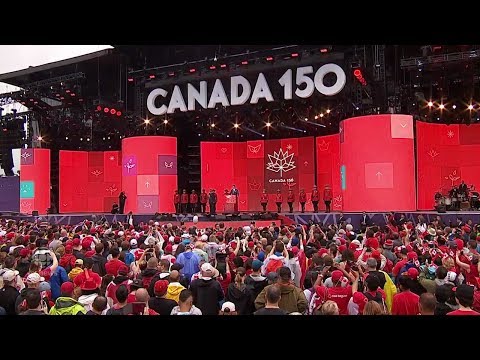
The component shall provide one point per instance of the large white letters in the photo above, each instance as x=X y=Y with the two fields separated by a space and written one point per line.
x=235 y=99
x=261 y=90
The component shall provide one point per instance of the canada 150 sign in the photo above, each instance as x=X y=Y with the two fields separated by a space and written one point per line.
x=241 y=90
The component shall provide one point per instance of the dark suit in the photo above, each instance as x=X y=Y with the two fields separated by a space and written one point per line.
x=365 y=220
x=237 y=194
x=121 y=199
x=212 y=200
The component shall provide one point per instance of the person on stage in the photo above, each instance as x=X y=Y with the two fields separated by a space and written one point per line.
x=463 y=189
x=184 y=201
x=290 y=200
x=129 y=219
x=315 y=198
x=193 y=201
x=203 y=201
x=176 y=202
x=235 y=192
x=327 y=197
x=279 y=200
x=302 y=197
x=264 y=200
x=212 y=201
x=121 y=200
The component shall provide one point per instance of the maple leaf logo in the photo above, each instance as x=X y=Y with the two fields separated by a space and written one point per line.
x=433 y=154
x=254 y=186
x=169 y=165
x=111 y=189
x=453 y=177
x=254 y=149
x=281 y=162
x=97 y=173
x=450 y=134
x=323 y=146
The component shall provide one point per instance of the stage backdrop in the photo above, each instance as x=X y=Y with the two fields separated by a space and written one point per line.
x=149 y=173
x=34 y=180
x=89 y=181
x=256 y=165
x=328 y=170
x=377 y=163
x=446 y=155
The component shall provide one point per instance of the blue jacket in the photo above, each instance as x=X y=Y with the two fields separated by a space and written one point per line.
x=190 y=261
x=56 y=280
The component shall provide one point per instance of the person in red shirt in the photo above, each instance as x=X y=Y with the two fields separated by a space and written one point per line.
x=464 y=295
x=87 y=273
x=315 y=198
x=279 y=200
x=193 y=202
x=327 y=197
x=113 y=265
x=264 y=200
x=176 y=202
x=405 y=302
x=203 y=201
x=302 y=198
x=184 y=201
x=341 y=295
x=469 y=268
x=290 y=199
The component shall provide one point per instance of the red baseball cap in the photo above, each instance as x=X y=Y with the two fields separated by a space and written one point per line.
x=67 y=287
x=412 y=273
x=76 y=242
x=412 y=255
x=336 y=275
x=376 y=254
x=161 y=287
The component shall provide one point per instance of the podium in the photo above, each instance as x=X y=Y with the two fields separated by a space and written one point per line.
x=230 y=204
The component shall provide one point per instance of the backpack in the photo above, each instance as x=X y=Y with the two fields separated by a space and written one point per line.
x=377 y=298
x=273 y=265
x=97 y=268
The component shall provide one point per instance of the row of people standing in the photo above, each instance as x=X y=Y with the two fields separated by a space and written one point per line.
x=185 y=202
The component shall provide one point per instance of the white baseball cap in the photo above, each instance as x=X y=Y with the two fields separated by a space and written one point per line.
x=228 y=305
x=133 y=242
x=9 y=275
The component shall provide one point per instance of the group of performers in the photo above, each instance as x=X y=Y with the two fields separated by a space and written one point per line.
x=188 y=203
x=461 y=197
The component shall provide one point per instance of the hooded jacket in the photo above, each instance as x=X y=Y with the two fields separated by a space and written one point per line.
x=67 y=306
x=256 y=283
x=74 y=273
x=99 y=264
x=206 y=295
x=173 y=291
x=242 y=298
x=87 y=301
x=190 y=261
x=293 y=299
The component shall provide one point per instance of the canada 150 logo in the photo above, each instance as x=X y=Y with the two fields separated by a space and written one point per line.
x=281 y=162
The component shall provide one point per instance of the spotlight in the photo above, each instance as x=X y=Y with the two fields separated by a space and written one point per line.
x=306 y=119
x=442 y=106
x=294 y=55
x=88 y=139
x=66 y=137
x=244 y=62
x=99 y=108
x=165 y=121
x=269 y=58
x=152 y=76
x=106 y=110
x=81 y=139
x=104 y=138
x=39 y=138
x=119 y=113
x=113 y=111
x=430 y=104
x=454 y=107
x=316 y=117
x=321 y=115
x=213 y=125
x=328 y=111
x=146 y=121
x=235 y=126
x=268 y=124
x=130 y=79
x=191 y=71
x=470 y=107
x=212 y=67
x=223 y=66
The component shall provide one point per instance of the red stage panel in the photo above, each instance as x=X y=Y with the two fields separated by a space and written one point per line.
x=149 y=173
x=377 y=153
x=35 y=170
x=256 y=165
x=87 y=180
x=446 y=155
x=328 y=170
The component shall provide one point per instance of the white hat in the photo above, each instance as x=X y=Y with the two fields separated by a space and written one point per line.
x=204 y=237
x=349 y=227
x=9 y=275
x=121 y=233
x=228 y=305
x=195 y=219
x=34 y=278
x=208 y=271
x=133 y=242
x=248 y=230
x=171 y=239
x=451 y=276
x=156 y=223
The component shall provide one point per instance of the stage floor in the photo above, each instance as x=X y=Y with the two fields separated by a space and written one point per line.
x=378 y=218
